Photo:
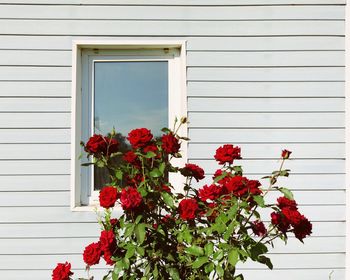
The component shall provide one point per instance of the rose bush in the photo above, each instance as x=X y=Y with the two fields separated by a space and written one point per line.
x=192 y=233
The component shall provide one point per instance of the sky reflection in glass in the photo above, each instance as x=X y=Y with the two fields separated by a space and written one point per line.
x=130 y=95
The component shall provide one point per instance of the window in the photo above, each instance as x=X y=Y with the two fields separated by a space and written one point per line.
x=122 y=85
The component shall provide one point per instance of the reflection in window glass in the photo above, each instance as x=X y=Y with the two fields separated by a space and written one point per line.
x=129 y=95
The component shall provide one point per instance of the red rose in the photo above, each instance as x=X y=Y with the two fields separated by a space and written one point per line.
x=130 y=198
x=283 y=202
x=192 y=170
x=92 y=254
x=132 y=158
x=107 y=256
x=151 y=148
x=107 y=240
x=237 y=186
x=108 y=196
x=219 y=173
x=166 y=188
x=280 y=221
x=259 y=228
x=62 y=271
x=286 y=154
x=170 y=144
x=99 y=145
x=114 y=223
x=211 y=192
x=188 y=208
x=292 y=216
x=227 y=153
x=253 y=187
x=302 y=228
x=139 y=137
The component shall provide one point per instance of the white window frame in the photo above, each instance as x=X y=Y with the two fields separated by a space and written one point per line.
x=84 y=53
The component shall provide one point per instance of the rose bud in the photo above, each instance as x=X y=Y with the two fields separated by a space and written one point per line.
x=286 y=154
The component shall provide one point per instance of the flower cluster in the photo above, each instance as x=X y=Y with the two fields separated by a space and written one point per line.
x=168 y=233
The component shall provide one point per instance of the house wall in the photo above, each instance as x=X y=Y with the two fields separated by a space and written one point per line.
x=262 y=74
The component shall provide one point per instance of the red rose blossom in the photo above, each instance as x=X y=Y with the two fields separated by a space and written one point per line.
x=107 y=256
x=259 y=228
x=193 y=170
x=280 y=222
x=283 y=202
x=211 y=192
x=62 y=271
x=253 y=187
x=237 y=185
x=130 y=198
x=114 y=223
x=170 y=144
x=107 y=240
x=286 y=154
x=132 y=158
x=302 y=229
x=227 y=153
x=292 y=216
x=139 y=137
x=99 y=145
x=92 y=254
x=108 y=196
x=151 y=148
x=188 y=208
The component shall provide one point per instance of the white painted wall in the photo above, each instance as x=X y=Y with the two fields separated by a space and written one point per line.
x=263 y=74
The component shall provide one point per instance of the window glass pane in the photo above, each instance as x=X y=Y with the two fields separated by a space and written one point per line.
x=129 y=95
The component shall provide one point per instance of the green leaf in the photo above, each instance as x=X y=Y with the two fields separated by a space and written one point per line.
x=266 y=261
x=259 y=200
x=239 y=277
x=140 y=231
x=229 y=230
x=168 y=199
x=130 y=251
x=155 y=173
x=162 y=167
x=199 y=262
x=174 y=273
x=138 y=219
x=150 y=155
x=195 y=250
x=220 y=270
x=209 y=248
x=218 y=178
x=287 y=193
x=233 y=257
x=140 y=251
x=218 y=255
x=119 y=174
x=209 y=267
x=257 y=250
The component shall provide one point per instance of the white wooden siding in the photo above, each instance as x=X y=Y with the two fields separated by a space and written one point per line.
x=262 y=74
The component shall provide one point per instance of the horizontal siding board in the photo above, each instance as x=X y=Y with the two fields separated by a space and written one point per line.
x=35 y=104
x=34 y=198
x=65 y=215
x=261 y=151
x=309 y=166
x=13 y=73
x=265 y=89
x=216 y=43
x=264 y=43
x=266 y=104
x=194 y=58
x=35 y=167
x=260 y=135
x=309 y=182
x=267 y=120
x=266 y=74
x=11 y=183
x=173 y=13
x=266 y=59
x=35 y=120
x=36 y=89
x=177 y=2
x=77 y=230
x=25 y=135
x=171 y=28
x=35 y=151
x=76 y=246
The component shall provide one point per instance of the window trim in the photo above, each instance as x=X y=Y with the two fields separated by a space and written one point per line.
x=177 y=85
